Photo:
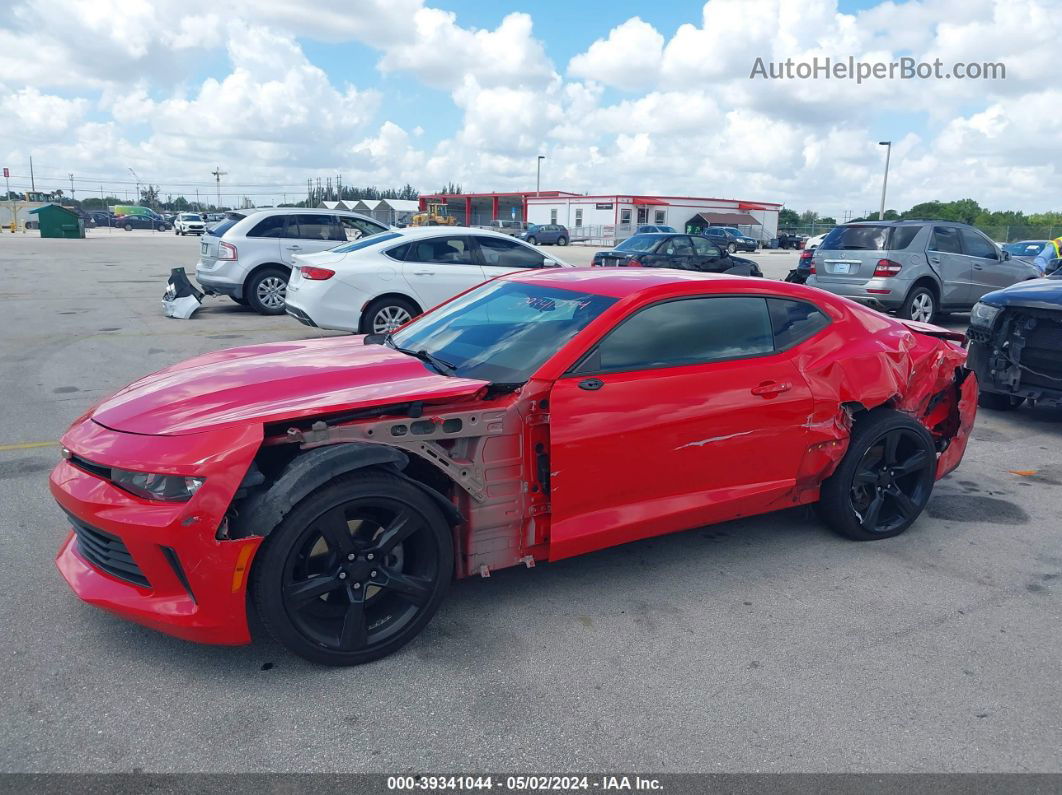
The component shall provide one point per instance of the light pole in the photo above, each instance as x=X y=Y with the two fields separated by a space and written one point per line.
x=137 y=185
x=538 y=175
x=885 y=180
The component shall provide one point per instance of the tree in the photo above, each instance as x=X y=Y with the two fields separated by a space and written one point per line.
x=827 y=220
x=787 y=217
x=808 y=217
x=149 y=195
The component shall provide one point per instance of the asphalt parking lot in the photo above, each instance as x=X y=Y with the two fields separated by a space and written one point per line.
x=765 y=644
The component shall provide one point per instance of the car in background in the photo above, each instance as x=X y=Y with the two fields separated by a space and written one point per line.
x=545 y=235
x=684 y=252
x=647 y=228
x=131 y=222
x=506 y=227
x=189 y=224
x=1025 y=250
x=791 y=240
x=248 y=255
x=333 y=488
x=101 y=217
x=1015 y=344
x=729 y=238
x=375 y=285
x=915 y=268
x=813 y=243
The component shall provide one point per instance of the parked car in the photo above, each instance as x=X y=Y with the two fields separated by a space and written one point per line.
x=545 y=235
x=1015 y=344
x=248 y=255
x=506 y=227
x=646 y=228
x=685 y=252
x=813 y=243
x=101 y=218
x=1026 y=250
x=791 y=240
x=189 y=224
x=915 y=268
x=730 y=238
x=131 y=222
x=336 y=487
x=803 y=271
x=354 y=287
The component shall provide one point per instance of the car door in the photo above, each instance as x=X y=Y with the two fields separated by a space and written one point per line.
x=684 y=413
x=439 y=267
x=706 y=255
x=989 y=271
x=677 y=252
x=946 y=257
x=309 y=234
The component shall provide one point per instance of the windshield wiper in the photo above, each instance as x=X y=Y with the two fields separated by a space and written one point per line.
x=425 y=356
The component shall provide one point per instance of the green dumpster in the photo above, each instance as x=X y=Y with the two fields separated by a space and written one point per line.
x=56 y=221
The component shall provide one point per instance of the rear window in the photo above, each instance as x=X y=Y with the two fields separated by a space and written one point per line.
x=230 y=220
x=869 y=237
x=638 y=243
x=372 y=240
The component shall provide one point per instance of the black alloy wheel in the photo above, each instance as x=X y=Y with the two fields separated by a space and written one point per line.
x=885 y=479
x=355 y=571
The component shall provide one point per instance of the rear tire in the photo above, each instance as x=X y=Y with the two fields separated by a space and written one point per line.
x=995 y=401
x=355 y=571
x=884 y=481
x=920 y=305
x=265 y=291
x=562 y=241
x=384 y=315
x=128 y=227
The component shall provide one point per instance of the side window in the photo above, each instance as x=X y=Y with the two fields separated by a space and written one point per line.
x=501 y=253
x=356 y=228
x=704 y=248
x=946 y=240
x=794 y=321
x=678 y=246
x=452 y=250
x=273 y=226
x=688 y=331
x=314 y=227
x=399 y=252
x=977 y=245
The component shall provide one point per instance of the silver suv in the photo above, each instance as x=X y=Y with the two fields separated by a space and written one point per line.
x=914 y=268
x=248 y=255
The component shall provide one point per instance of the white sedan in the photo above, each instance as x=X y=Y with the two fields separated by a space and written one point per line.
x=376 y=284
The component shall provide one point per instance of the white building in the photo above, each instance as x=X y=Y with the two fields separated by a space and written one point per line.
x=610 y=218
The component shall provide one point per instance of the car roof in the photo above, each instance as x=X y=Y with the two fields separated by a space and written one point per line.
x=432 y=231
x=623 y=282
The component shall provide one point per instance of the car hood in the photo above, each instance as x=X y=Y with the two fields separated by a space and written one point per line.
x=1035 y=293
x=273 y=382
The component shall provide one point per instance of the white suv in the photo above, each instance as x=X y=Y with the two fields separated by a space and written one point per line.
x=188 y=224
x=248 y=256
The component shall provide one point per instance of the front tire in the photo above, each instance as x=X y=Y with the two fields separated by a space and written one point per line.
x=731 y=248
x=533 y=241
x=921 y=305
x=266 y=290
x=386 y=314
x=884 y=481
x=562 y=241
x=995 y=401
x=355 y=571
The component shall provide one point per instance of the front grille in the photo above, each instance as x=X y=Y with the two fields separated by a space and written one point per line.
x=1042 y=355
x=978 y=334
x=107 y=553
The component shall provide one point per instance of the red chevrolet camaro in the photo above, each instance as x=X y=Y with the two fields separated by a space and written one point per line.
x=343 y=483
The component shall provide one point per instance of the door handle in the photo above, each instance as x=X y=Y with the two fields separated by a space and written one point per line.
x=591 y=384
x=294 y=248
x=768 y=388
x=935 y=260
x=977 y=267
x=423 y=273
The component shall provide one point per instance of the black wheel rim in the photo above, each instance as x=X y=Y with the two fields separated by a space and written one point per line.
x=892 y=481
x=359 y=574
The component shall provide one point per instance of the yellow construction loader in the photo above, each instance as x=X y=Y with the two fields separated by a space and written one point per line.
x=436 y=214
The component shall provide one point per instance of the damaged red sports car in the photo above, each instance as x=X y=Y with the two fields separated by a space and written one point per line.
x=339 y=485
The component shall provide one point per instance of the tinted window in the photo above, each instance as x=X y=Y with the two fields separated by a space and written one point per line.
x=638 y=243
x=508 y=253
x=794 y=321
x=452 y=250
x=676 y=247
x=689 y=331
x=865 y=237
x=398 y=252
x=366 y=242
x=977 y=245
x=704 y=248
x=271 y=226
x=315 y=227
x=230 y=221
x=357 y=228
x=945 y=239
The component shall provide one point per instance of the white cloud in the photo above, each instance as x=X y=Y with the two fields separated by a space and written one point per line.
x=629 y=58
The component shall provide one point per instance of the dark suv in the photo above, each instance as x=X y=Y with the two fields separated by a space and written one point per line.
x=914 y=268
x=730 y=238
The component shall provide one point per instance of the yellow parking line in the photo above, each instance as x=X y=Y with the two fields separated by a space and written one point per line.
x=26 y=446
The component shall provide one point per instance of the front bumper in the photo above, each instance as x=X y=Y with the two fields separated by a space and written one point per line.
x=159 y=564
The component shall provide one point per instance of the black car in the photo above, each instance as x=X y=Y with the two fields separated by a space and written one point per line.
x=100 y=217
x=790 y=240
x=729 y=238
x=1015 y=344
x=685 y=252
x=129 y=222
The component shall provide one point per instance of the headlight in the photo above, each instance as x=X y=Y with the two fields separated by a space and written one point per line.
x=984 y=314
x=168 y=488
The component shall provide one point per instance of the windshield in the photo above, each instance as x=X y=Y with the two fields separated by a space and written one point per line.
x=638 y=243
x=502 y=331
x=1027 y=248
x=190 y=217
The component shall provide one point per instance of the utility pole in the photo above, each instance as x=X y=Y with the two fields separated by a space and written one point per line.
x=33 y=183
x=885 y=180
x=7 y=186
x=198 y=206
x=538 y=175
x=71 y=187
x=137 y=178
x=218 y=174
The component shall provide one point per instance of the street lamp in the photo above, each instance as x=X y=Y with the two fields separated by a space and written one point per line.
x=885 y=181
x=538 y=174
x=137 y=185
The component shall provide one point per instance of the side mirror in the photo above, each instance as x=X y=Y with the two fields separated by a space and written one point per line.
x=1006 y=255
x=374 y=339
x=550 y=263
